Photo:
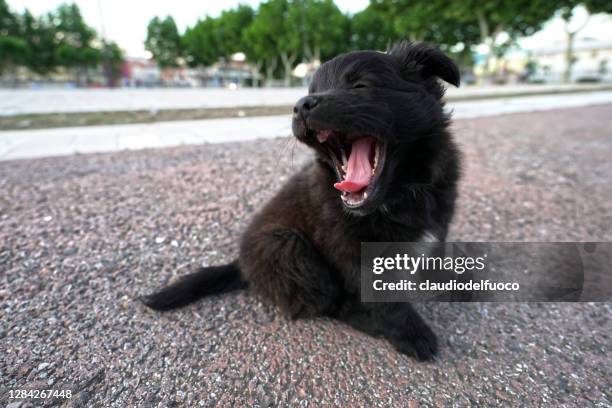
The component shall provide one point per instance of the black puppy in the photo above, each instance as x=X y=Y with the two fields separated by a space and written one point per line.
x=386 y=169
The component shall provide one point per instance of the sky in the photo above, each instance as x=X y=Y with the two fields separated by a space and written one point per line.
x=125 y=21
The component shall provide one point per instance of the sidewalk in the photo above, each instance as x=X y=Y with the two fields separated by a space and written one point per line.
x=63 y=141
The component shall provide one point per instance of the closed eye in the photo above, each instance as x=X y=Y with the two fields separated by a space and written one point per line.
x=359 y=85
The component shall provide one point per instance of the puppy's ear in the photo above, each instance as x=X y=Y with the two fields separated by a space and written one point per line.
x=425 y=60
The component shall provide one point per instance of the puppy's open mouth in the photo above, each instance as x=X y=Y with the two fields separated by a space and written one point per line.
x=358 y=160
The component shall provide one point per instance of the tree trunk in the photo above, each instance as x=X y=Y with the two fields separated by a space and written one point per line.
x=317 y=54
x=569 y=49
x=483 y=26
x=489 y=39
x=288 y=66
x=270 y=67
x=569 y=57
x=256 y=72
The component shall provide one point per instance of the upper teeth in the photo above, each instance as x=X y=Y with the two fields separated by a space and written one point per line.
x=376 y=153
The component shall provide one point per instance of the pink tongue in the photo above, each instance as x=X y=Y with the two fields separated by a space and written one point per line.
x=359 y=169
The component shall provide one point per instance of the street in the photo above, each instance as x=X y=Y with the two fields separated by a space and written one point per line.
x=40 y=101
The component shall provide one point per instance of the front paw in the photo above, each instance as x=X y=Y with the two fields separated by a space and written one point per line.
x=423 y=345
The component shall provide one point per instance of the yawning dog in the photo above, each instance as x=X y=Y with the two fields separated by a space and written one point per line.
x=385 y=169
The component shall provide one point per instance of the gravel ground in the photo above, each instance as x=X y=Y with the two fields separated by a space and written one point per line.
x=82 y=236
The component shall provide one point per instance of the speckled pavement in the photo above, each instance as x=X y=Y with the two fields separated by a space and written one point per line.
x=82 y=236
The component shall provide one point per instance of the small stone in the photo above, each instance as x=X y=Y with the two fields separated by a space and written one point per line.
x=70 y=251
x=180 y=396
x=160 y=240
x=83 y=398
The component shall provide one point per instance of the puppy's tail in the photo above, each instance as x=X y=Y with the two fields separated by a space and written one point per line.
x=205 y=281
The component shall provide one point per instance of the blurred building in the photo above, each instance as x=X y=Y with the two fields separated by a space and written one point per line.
x=143 y=72
x=546 y=63
x=227 y=74
x=138 y=72
x=592 y=61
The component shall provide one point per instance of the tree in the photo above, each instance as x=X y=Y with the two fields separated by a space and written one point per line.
x=39 y=34
x=567 y=8
x=74 y=40
x=265 y=39
x=516 y=18
x=230 y=27
x=372 y=29
x=430 y=21
x=200 y=43
x=60 y=38
x=164 y=42
x=384 y=22
x=112 y=62
x=412 y=20
x=322 y=30
x=13 y=49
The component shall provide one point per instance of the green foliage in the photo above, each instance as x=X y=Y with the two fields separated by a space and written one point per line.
x=386 y=21
x=9 y=26
x=267 y=34
x=74 y=39
x=515 y=17
x=279 y=33
x=39 y=34
x=372 y=29
x=230 y=27
x=318 y=29
x=112 y=60
x=70 y=27
x=421 y=20
x=13 y=49
x=60 y=38
x=13 y=52
x=164 y=42
x=210 y=39
x=598 y=6
x=200 y=43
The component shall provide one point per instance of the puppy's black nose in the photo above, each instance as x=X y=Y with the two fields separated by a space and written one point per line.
x=305 y=105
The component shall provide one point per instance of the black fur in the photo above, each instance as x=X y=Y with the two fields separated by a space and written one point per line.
x=302 y=250
x=205 y=281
